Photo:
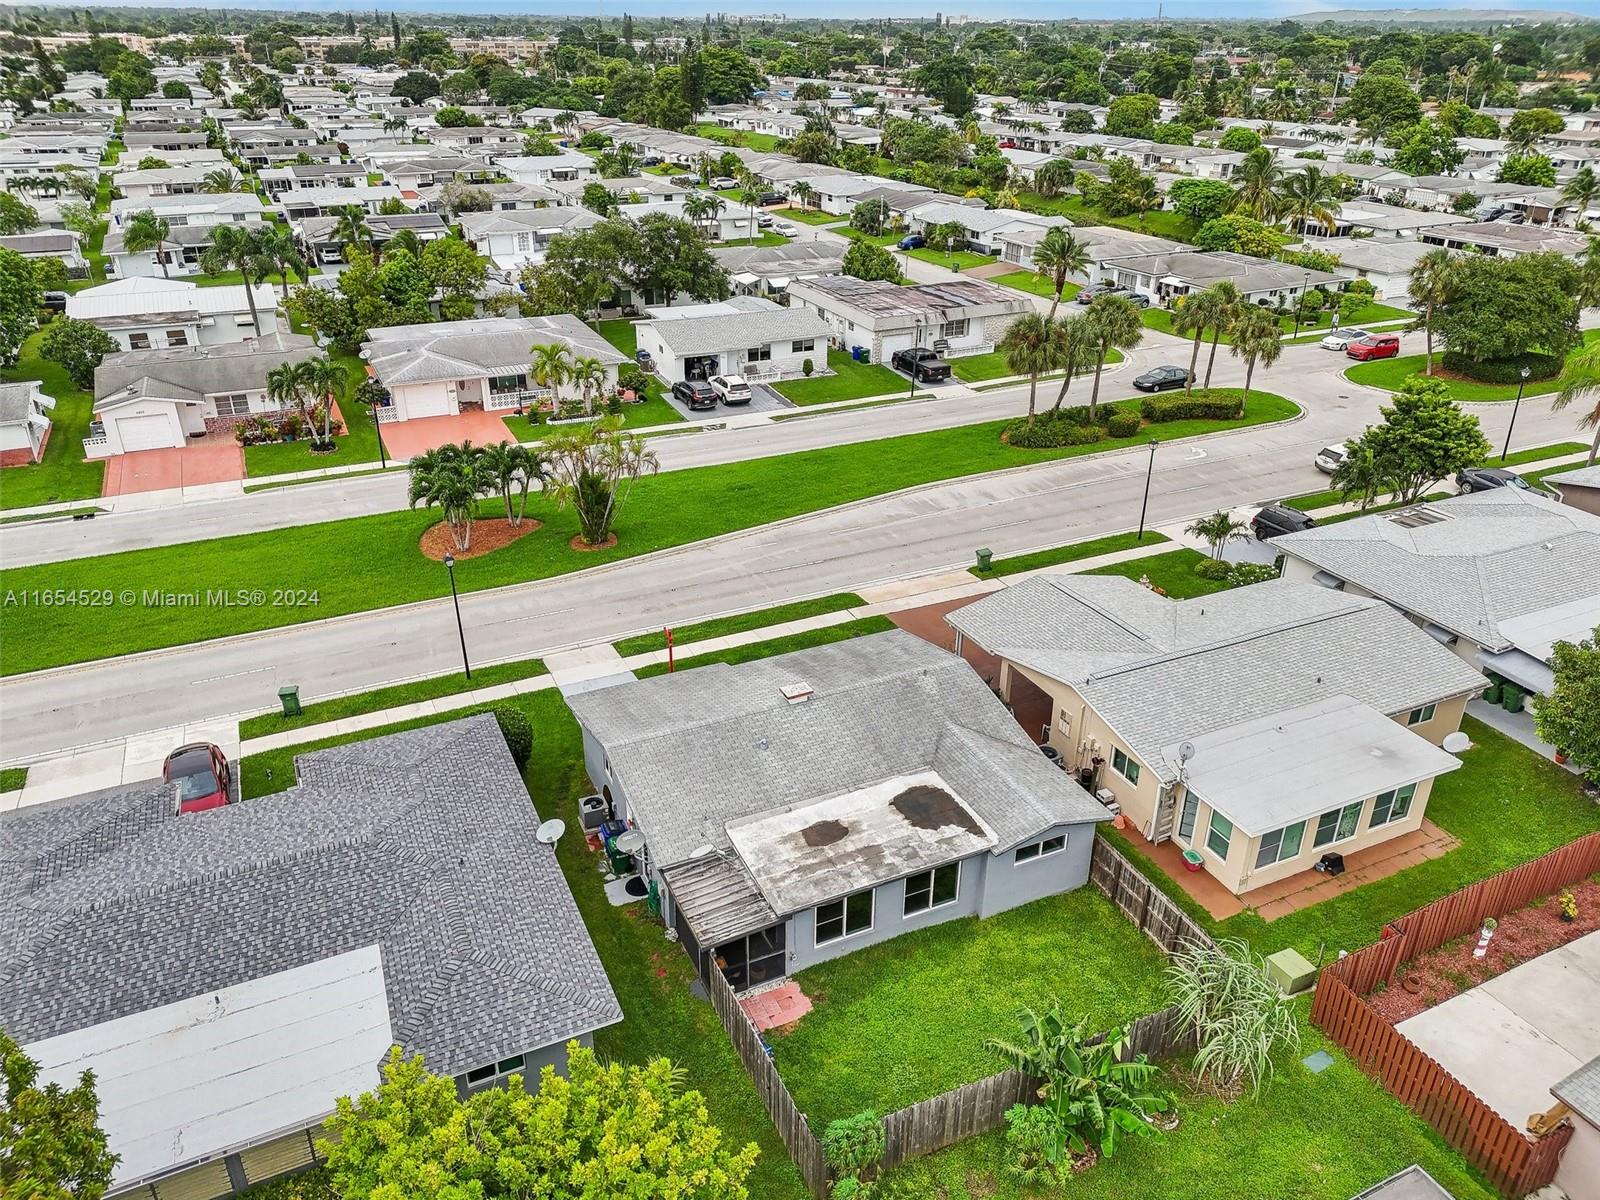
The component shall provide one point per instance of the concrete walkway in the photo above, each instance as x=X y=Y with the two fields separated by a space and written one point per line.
x=1517 y=726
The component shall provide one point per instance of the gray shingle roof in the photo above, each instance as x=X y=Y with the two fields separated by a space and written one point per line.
x=695 y=750
x=17 y=401
x=422 y=842
x=1580 y=1091
x=1161 y=671
x=737 y=330
x=1577 y=477
x=1499 y=554
x=402 y=354
x=203 y=370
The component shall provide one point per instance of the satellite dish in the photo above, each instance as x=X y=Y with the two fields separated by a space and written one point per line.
x=1185 y=752
x=1457 y=742
x=630 y=842
x=549 y=832
x=704 y=851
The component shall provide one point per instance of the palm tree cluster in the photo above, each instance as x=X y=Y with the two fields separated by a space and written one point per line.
x=1266 y=192
x=308 y=385
x=453 y=478
x=554 y=365
x=1037 y=344
x=592 y=469
x=254 y=253
x=1253 y=332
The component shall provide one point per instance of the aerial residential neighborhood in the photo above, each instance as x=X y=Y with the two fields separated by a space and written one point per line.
x=853 y=605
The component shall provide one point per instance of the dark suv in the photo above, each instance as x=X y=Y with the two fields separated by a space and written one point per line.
x=695 y=396
x=1276 y=519
x=921 y=364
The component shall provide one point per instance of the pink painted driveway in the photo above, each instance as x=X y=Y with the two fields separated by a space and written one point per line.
x=219 y=461
x=407 y=439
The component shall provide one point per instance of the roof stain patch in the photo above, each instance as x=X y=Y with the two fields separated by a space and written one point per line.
x=929 y=807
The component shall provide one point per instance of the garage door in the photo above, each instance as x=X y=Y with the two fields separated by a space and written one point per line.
x=145 y=433
x=433 y=405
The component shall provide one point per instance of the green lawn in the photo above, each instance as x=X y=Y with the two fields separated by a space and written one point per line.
x=738 y=137
x=959 y=260
x=1160 y=223
x=808 y=216
x=907 y=1019
x=1064 y=554
x=717 y=627
x=975 y=368
x=622 y=335
x=63 y=474
x=1038 y=285
x=654 y=410
x=12 y=778
x=358 y=443
x=825 y=636
x=765 y=238
x=1172 y=572
x=372 y=562
x=390 y=697
x=850 y=381
x=1390 y=373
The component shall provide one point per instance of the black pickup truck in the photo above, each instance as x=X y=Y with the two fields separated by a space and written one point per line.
x=921 y=364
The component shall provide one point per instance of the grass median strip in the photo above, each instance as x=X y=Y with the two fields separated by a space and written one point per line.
x=169 y=595
x=702 y=631
x=12 y=778
x=393 y=696
x=827 y=635
x=1035 y=559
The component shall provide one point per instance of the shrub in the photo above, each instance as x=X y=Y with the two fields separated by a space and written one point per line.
x=1213 y=568
x=1123 y=424
x=631 y=379
x=1049 y=434
x=854 y=1144
x=1245 y=573
x=1238 y=1016
x=517 y=731
x=1196 y=407
x=1503 y=370
x=807 y=367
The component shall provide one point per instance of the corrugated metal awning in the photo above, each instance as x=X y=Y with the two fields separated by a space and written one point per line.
x=1520 y=668
x=719 y=898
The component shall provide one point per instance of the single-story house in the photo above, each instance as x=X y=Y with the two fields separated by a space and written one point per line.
x=743 y=335
x=153 y=142
x=512 y=240
x=648 y=190
x=322 y=201
x=769 y=270
x=184 y=246
x=24 y=422
x=1163 y=277
x=1579 y=1094
x=1507 y=241
x=158 y=399
x=475 y=139
x=548 y=168
x=986 y=228
x=319 y=235
x=256 y=962
x=201 y=208
x=797 y=808
x=161 y=181
x=1260 y=727
x=411 y=168
x=64 y=244
x=501 y=197
x=297 y=176
x=142 y=313
x=1579 y=487
x=438 y=369
x=1386 y=264
x=960 y=316
x=1382 y=222
x=1497 y=576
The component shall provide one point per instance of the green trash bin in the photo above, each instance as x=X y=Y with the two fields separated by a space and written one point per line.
x=866 y=354
x=1511 y=697
x=289 y=697
x=985 y=558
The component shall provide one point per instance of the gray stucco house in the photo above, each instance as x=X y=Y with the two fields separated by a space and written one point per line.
x=803 y=806
x=229 y=974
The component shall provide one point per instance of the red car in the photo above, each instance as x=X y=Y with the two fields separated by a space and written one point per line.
x=1374 y=345
x=202 y=776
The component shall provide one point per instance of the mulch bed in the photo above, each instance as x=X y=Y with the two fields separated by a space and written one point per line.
x=577 y=543
x=1451 y=969
x=488 y=535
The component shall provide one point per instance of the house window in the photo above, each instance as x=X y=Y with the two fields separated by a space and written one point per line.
x=758 y=354
x=1124 y=766
x=932 y=889
x=138 y=341
x=1338 y=824
x=1050 y=845
x=243 y=320
x=479 y=1074
x=524 y=242
x=954 y=329
x=1191 y=807
x=499 y=385
x=1220 y=835
x=1420 y=716
x=803 y=347
x=1280 y=844
x=177 y=337
x=236 y=405
x=1392 y=806
x=844 y=918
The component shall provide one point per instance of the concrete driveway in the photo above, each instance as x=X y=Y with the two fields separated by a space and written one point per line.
x=203 y=462
x=407 y=439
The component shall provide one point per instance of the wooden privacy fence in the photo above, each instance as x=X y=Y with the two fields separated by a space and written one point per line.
x=1514 y=1163
x=1141 y=901
x=804 y=1147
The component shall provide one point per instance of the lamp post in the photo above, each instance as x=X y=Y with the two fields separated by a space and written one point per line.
x=377 y=426
x=455 y=598
x=1305 y=282
x=1522 y=382
x=916 y=326
x=1148 y=472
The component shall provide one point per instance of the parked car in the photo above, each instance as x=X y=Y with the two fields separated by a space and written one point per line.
x=695 y=395
x=1095 y=290
x=652 y=160
x=767 y=198
x=1339 y=339
x=723 y=182
x=55 y=301
x=733 y=389
x=786 y=228
x=202 y=776
x=1492 y=213
x=1137 y=299
x=1330 y=458
x=912 y=241
x=921 y=364
x=764 y=220
x=1486 y=479
x=1159 y=379
x=1277 y=519
x=1374 y=345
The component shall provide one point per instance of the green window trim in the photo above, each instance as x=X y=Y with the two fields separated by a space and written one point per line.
x=1220 y=826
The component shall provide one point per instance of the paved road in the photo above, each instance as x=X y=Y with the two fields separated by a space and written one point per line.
x=921 y=530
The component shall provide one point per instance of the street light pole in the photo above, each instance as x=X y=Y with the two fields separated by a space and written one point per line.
x=1305 y=282
x=1148 y=472
x=377 y=425
x=450 y=565
x=1522 y=382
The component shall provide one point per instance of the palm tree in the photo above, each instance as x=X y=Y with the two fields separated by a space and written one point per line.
x=278 y=244
x=589 y=374
x=510 y=467
x=1580 y=380
x=234 y=248
x=284 y=388
x=1078 y=350
x=1432 y=284
x=395 y=125
x=1218 y=529
x=223 y=179
x=1193 y=316
x=452 y=478
x=1309 y=195
x=326 y=380
x=1581 y=190
x=1257 y=337
x=146 y=231
x=350 y=228
x=1114 y=324
x=550 y=368
x=1058 y=255
x=803 y=192
x=406 y=240
x=1256 y=184
x=1226 y=301
x=749 y=197
x=1031 y=348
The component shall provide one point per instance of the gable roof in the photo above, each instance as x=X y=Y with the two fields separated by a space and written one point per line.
x=741 y=322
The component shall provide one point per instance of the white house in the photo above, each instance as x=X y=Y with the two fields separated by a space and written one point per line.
x=142 y=313
x=304 y=202
x=184 y=246
x=512 y=240
x=161 y=181
x=744 y=335
x=961 y=316
x=548 y=168
x=24 y=422
x=200 y=209
x=437 y=370
x=50 y=243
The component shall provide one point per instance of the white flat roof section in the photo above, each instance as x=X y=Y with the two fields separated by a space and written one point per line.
x=1536 y=633
x=1290 y=766
x=823 y=849
x=205 y=1076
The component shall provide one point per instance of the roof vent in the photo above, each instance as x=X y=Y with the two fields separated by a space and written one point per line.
x=796 y=693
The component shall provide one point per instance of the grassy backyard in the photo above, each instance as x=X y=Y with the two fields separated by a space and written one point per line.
x=955 y=260
x=850 y=381
x=1159 y=223
x=63 y=474
x=1172 y=572
x=1390 y=373
x=738 y=137
x=373 y=562
x=808 y=216
x=1037 y=284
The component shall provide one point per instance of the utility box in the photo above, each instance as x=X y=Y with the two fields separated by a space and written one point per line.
x=985 y=559
x=289 y=697
x=1290 y=971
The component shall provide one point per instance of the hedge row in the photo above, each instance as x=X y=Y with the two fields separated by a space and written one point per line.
x=1178 y=407
x=1506 y=370
x=1072 y=427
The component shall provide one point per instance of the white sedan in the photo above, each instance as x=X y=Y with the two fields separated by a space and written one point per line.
x=732 y=388
x=1330 y=458
x=1341 y=338
x=786 y=228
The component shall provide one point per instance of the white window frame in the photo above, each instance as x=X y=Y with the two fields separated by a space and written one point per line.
x=1190 y=808
x=932 y=878
x=959 y=328
x=803 y=346
x=818 y=941
x=235 y=404
x=1211 y=827
x=1338 y=816
x=1056 y=843
x=1421 y=716
x=135 y=337
x=1127 y=761
x=761 y=353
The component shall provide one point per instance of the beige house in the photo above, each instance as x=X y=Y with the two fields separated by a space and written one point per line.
x=1261 y=728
